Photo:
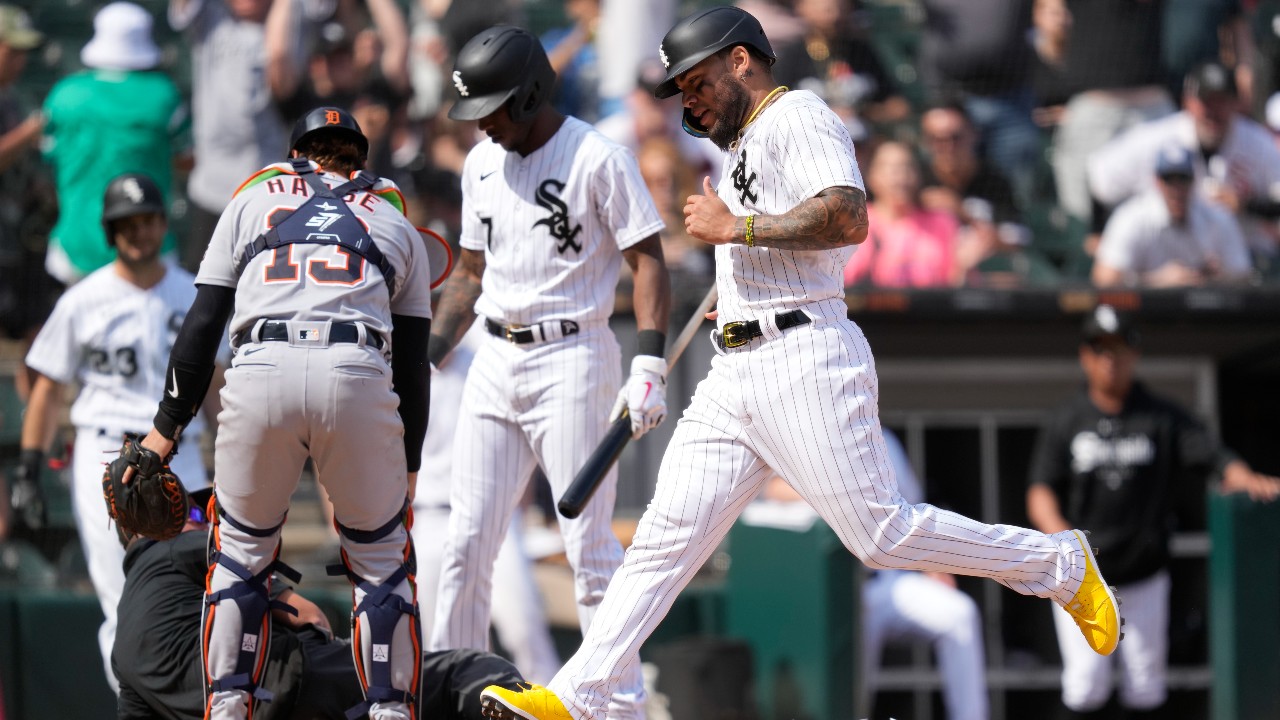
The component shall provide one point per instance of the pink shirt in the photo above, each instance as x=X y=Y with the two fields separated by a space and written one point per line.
x=917 y=250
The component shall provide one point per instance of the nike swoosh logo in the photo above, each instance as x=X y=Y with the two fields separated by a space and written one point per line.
x=485 y=176
x=173 y=389
x=250 y=351
x=647 y=387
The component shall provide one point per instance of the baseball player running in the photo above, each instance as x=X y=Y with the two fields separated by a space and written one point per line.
x=793 y=389
x=326 y=277
x=550 y=210
x=111 y=333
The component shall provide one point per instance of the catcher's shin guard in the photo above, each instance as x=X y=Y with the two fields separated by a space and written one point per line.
x=245 y=632
x=376 y=627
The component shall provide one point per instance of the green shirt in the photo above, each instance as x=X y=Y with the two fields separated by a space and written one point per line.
x=101 y=124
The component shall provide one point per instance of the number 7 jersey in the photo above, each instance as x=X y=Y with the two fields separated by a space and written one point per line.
x=553 y=225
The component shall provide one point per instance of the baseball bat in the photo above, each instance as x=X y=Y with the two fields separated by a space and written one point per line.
x=588 y=479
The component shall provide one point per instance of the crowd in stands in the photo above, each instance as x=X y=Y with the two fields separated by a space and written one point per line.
x=1005 y=143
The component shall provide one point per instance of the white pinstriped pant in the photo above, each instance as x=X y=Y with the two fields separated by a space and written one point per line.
x=801 y=404
x=523 y=405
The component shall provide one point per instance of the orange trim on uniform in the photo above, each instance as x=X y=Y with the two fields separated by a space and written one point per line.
x=254 y=178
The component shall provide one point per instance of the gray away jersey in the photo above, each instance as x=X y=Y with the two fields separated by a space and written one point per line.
x=553 y=225
x=795 y=149
x=306 y=281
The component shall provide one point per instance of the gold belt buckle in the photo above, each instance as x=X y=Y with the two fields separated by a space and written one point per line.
x=730 y=334
x=507 y=329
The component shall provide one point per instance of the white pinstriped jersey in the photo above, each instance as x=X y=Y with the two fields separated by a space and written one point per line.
x=311 y=282
x=796 y=148
x=553 y=225
x=113 y=338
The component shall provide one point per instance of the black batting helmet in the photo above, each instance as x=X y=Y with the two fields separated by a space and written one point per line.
x=329 y=120
x=701 y=35
x=128 y=195
x=501 y=64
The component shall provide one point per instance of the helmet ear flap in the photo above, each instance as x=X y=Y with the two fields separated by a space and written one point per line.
x=692 y=126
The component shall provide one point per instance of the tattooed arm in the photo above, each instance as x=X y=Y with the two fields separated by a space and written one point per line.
x=456 y=310
x=833 y=218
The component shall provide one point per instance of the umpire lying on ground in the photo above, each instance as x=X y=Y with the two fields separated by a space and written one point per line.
x=310 y=673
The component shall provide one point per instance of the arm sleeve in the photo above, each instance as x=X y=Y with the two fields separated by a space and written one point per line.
x=411 y=379
x=54 y=353
x=1050 y=460
x=1198 y=450
x=191 y=362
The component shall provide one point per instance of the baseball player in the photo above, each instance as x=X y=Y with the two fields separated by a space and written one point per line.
x=326 y=278
x=1111 y=457
x=308 y=670
x=550 y=210
x=793 y=389
x=110 y=333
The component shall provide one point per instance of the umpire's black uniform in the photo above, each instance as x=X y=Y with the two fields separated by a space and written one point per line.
x=157 y=654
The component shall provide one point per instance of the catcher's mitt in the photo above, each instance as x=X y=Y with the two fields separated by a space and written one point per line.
x=153 y=503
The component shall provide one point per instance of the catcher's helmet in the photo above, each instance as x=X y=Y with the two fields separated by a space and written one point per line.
x=329 y=120
x=699 y=36
x=128 y=195
x=503 y=63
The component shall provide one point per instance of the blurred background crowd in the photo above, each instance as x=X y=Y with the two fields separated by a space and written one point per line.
x=1005 y=143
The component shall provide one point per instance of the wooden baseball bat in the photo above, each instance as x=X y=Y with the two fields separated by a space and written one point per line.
x=588 y=479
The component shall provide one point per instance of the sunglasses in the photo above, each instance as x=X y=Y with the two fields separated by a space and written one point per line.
x=197 y=515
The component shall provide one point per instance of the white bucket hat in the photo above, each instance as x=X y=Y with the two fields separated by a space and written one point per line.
x=121 y=39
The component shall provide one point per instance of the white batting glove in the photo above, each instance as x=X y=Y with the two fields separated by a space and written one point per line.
x=644 y=396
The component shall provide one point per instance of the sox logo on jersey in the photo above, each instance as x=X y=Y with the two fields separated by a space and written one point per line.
x=558 y=221
x=742 y=182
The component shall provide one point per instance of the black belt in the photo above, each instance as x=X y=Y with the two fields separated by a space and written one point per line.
x=278 y=331
x=525 y=335
x=740 y=332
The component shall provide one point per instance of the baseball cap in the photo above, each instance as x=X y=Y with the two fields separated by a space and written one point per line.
x=1209 y=78
x=1105 y=322
x=1175 y=160
x=16 y=29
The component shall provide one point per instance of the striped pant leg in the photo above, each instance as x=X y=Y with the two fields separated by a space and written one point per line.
x=707 y=476
x=814 y=417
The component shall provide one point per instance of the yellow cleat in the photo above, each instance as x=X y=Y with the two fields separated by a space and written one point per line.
x=531 y=702
x=1095 y=607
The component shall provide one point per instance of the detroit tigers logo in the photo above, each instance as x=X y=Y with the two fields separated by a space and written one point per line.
x=557 y=222
x=331 y=117
x=457 y=82
x=742 y=182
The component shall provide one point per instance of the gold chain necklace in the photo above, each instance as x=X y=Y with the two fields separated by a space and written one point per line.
x=768 y=99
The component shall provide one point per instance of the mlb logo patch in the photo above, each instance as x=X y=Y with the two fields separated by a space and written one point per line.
x=308 y=335
x=380 y=653
x=248 y=643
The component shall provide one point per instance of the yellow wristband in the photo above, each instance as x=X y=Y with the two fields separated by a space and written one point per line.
x=750 y=235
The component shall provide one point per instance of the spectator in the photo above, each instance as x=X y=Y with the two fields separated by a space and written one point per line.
x=1193 y=32
x=237 y=127
x=28 y=205
x=1110 y=460
x=670 y=181
x=907 y=245
x=978 y=49
x=1170 y=236
x=1112 y=70
x=902 y=604
x=1051 y=20
x=834 y=59
x=344 y=62
x=1237 y=164
x=88 y=146
x=573 y=55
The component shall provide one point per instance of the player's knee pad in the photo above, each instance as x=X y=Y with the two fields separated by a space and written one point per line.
x=247 y=632
x=377 y=615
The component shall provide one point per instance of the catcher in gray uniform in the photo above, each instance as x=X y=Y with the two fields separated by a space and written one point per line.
x=325 y=276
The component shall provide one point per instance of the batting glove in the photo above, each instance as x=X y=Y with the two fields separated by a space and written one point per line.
x=644 y=397
x=26 y=497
